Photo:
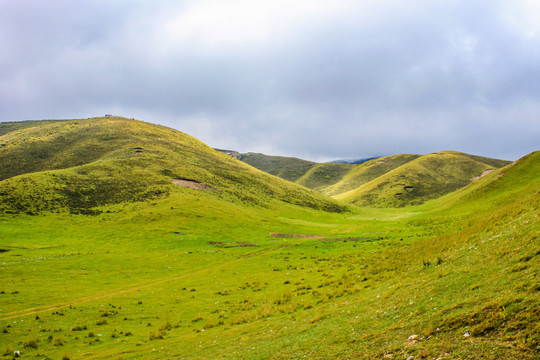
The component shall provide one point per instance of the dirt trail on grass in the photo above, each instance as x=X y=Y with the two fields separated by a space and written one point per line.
x=50 y=307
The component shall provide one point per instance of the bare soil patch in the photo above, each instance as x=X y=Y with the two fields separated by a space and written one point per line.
x=350 y=239
x=489 y=171
x=192 y=184
x=295 y=236
x=221 y=244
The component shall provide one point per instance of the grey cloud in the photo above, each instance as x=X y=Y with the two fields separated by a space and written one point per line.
x=418 y=78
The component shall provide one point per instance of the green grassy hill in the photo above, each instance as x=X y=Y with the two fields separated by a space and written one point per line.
x=81 y=165
x=288 y=168
x=323 y=175
x=391 y=181
x=366 y=172
x=10 y=126
x=426 y=177
x=237 y=271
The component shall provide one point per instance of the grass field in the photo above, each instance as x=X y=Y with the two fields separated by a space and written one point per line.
x=209 y=274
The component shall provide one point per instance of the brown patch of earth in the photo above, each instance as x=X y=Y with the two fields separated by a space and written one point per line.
x=192 y=184
x=294 y=236
x=350 y=239
x=221 y=244
x=489 y=171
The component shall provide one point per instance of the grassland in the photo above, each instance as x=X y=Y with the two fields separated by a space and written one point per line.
x=154 y=270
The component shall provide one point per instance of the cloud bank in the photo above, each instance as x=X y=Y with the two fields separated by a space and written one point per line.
x=315 y=79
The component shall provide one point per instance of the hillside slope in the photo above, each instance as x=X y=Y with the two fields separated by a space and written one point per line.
x=391 y=181
x=288 y=168
x=426 y=177
x=80 y=165
x=366 y=172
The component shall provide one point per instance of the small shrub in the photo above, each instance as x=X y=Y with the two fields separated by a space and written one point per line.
x=8 y=352
x=167 y=326
x=197 y=318
x=58 y=342
x=156 y=335
x=31 y=343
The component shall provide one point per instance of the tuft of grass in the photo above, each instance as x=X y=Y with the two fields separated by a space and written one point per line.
x=31 y=343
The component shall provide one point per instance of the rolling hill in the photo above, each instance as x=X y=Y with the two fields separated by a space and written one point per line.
x=121 y=239
x=391 y=181
x=426 y=177
x=288 y=168
x=80 y=165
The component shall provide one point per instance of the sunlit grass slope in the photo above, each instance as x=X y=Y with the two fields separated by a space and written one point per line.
x=363 y=173
x=426 y=177
x=81 y=165
x=10 y=126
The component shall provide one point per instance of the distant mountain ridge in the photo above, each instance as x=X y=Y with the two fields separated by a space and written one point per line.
x=355 y=161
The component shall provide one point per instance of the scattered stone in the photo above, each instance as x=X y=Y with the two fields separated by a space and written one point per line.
x=467 y=334
x=412 y=337
x=410 y=358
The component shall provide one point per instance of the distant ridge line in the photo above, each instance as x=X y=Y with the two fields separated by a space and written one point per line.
x=355 y=162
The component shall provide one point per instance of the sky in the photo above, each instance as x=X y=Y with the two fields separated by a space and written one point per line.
x=319 y=80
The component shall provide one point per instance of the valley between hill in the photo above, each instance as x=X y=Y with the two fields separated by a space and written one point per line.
x=104 y=256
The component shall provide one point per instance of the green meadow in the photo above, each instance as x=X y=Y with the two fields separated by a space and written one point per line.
x=126 y=240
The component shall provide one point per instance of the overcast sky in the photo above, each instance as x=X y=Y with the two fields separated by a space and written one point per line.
x=319 y=80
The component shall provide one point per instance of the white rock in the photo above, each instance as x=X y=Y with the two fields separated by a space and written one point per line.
x=412 y=337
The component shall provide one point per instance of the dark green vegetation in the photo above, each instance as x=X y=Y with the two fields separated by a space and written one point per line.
x=391 y=181
x=288 y=168
x=102 y=257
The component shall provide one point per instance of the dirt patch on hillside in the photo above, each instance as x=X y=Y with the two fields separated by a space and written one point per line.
x=351 y=239
x=192 y=184
x=221 y=244
x=489 y=171
x=295 y=236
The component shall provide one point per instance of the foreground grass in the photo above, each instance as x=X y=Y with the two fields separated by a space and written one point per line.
x=159 y=283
